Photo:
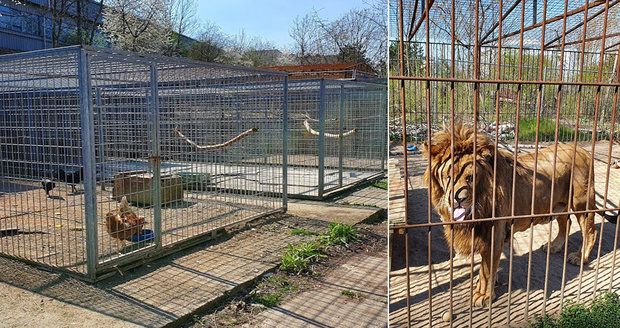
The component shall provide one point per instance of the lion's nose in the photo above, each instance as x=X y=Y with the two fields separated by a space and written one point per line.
x=460 y=196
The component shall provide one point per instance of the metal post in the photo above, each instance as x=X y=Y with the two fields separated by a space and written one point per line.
x=100 y=129
x=87 y=134
x=285 y=136
x=155 y=156
x=383 y=114
x=340 y=131
x=321 y=144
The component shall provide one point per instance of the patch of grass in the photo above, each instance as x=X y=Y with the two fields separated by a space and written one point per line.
x=382 y=184
x=297 y=259
x=546 y=132
x=303 y=232
x=267 y=299
x=350 y=294
x=604 y=312
x=340 y=234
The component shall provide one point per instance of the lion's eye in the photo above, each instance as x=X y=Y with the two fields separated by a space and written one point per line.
x=469 y=179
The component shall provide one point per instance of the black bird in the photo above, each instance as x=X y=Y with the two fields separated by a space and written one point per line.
x=48 y=185
x=72 y=178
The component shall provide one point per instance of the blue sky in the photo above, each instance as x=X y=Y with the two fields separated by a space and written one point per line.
x=268 y=19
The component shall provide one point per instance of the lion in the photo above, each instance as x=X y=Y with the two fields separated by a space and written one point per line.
x=438 y=177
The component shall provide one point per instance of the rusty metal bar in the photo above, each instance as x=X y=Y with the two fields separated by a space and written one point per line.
x=512 y=217
x=555 y=154
x=550 y=20
x=501 y=19
x=588 y=19
x=516 y=152
x=494 y=81
x=595 y=38
x=597 y=104
x=405 y=166
x=422 y=18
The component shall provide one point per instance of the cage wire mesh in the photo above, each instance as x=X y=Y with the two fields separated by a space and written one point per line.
x=526 y=74
x=337 y=135
x=187 y=144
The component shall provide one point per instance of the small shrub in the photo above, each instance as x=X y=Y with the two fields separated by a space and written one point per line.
x=381 y=184
x=340 y=234
x=297 y=259
x=604 y=313
x=267 y=299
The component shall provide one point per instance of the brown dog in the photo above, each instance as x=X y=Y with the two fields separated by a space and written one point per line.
x=439 y=177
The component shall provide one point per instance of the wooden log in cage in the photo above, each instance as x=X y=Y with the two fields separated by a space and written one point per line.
x=137 y=187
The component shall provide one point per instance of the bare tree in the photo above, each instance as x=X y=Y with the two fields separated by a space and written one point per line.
x=184 y=20
x=140 y=26
x=359 y=35
x=211 y=45
x=305 y=32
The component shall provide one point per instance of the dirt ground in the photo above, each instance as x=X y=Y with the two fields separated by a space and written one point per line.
x=52 y=230
x=446 y=284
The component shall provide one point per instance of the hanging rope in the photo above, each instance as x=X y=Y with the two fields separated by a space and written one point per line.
x=216 y=146
x=327 y=135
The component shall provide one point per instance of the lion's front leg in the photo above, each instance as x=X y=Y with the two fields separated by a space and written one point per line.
x=485 y=289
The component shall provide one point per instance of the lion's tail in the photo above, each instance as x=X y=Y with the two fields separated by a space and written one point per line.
x=613 y=218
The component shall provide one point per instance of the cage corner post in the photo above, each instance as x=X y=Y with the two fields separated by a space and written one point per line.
x=321 y=143
x=155 y=158
x=340 y=133
x=87 y=135
x=285 y=141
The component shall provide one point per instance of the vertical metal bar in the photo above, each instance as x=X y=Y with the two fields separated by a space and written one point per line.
x=285 y=140
x=155 y=155
x=597 y=103
x=321 y=144
x=476 y=110
x=516 y=152
x=403 y=110
x=340 y=131
x=100 y=131
x=87 y=134
x=429 y=233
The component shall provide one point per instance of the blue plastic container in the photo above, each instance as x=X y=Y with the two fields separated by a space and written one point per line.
x=145 y=235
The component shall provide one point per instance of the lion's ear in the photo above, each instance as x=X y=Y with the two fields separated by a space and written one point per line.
x=429 y=151
x=487 y=152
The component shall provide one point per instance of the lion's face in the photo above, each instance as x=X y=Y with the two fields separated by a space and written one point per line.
x=456 y=180
x=452 y=177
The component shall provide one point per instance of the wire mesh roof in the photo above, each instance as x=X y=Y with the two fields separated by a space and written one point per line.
x=529 y=15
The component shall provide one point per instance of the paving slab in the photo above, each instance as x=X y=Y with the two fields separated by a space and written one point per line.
x=332 y=212
x=364 y=196
x=156 y=294
x=326 y=305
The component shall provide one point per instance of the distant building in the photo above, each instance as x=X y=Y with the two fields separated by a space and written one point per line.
x=352 y=71
x=28 y=25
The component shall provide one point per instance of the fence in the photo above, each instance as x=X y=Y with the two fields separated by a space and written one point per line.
x=514 y=106
x=186 y=143
x=337 y=135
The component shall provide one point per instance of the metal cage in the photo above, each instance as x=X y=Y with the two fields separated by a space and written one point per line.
x=184 y=142
x=527 y=77
x=337 y=135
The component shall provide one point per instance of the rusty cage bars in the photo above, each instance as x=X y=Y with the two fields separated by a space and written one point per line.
x=528 y=73
x=187 y=143
x=337 y=135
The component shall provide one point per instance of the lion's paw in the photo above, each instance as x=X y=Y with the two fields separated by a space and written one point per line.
x=575 y=258
x=482 y=300
x=555 y=247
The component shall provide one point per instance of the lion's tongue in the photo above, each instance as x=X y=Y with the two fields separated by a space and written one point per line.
x=459 y=214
